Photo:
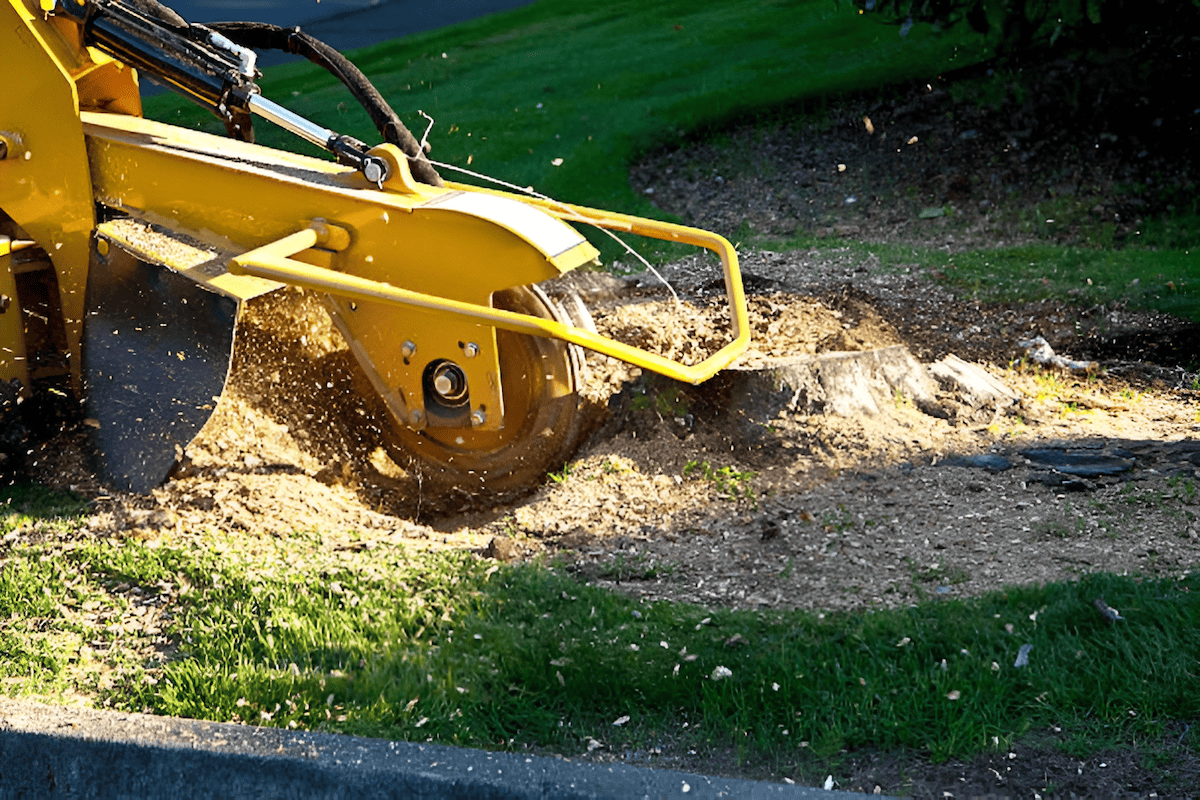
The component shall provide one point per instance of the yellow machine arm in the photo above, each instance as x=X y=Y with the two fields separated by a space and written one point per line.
x=129 y=245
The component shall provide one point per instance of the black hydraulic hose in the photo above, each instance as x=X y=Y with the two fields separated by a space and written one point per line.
x=263 y=36
x=156 y=10
x=153 y=38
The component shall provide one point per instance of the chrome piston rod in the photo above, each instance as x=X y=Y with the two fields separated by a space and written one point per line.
x=349 y=151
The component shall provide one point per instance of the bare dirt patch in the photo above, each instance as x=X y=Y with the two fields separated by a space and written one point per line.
x=724 y=495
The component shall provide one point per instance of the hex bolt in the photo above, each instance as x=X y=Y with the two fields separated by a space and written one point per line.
x=478 y=417
x=449 y=381
x=471 y=350
x=375 y=169
x=408 y=349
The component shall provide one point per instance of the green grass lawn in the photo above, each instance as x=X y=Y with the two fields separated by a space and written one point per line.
x=1163 y=278
x=451 y=648
x=1167 y=279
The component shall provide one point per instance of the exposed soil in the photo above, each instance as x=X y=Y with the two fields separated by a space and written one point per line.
x=1095 y=143
x=724 y=496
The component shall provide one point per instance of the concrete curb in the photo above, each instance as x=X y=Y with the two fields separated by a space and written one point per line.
x=48 y=751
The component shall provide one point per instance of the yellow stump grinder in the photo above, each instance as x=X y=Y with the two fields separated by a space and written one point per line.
x=128 y=246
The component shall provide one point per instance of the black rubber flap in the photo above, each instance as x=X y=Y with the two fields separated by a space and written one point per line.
x=156 y=350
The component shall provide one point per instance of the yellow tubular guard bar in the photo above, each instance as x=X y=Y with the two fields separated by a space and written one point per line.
x=274 y=262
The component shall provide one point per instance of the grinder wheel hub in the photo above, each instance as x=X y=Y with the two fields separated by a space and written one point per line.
x=448 y=382
x=543 y=418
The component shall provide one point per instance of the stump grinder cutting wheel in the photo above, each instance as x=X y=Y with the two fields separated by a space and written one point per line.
x=540 y=401
x=128 y=247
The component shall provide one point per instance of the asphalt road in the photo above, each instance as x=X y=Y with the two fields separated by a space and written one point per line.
x=346 y=24
x=54 y=752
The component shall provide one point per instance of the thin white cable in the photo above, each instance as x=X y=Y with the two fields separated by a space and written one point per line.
x=428 y=128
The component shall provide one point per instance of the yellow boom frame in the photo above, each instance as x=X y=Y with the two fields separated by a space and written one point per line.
x=409 y=269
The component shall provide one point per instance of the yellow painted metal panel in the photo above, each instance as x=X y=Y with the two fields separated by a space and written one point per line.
x=44 y=182
x=12 y=331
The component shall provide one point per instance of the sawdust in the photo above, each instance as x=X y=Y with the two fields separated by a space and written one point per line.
x=682 y=492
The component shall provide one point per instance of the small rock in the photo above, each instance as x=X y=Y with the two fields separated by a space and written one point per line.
x=501 y=548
